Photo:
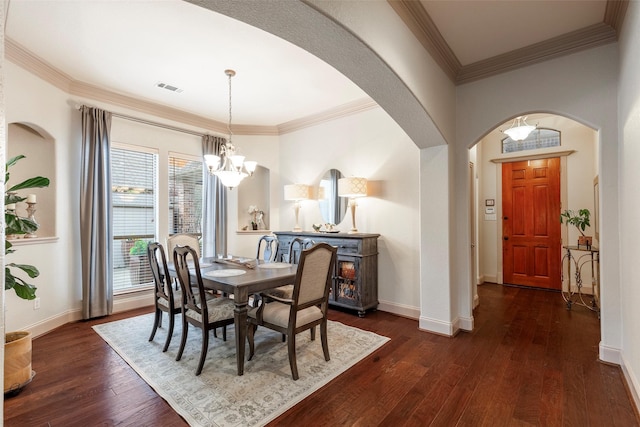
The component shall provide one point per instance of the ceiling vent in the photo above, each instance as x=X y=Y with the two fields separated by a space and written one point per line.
x=168 y=87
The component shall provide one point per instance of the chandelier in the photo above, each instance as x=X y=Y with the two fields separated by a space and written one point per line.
x=229 y=167
x=519 y=129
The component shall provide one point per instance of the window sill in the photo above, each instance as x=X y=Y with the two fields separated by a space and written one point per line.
x=33 y=240
x=253 y=232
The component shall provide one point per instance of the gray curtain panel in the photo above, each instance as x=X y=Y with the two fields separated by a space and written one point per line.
x=96 y=234
x=214 y=204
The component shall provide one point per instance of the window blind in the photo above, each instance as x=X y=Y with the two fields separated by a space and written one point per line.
x=134 y=175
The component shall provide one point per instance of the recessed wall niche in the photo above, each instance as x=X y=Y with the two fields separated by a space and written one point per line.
x=39 y=150
x=254 y=191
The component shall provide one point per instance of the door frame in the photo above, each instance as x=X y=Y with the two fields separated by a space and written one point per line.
x=563 y=198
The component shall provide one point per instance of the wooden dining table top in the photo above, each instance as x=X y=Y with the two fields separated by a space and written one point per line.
x=253 y=276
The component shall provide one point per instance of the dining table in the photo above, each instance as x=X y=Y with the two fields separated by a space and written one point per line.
x=241 y=278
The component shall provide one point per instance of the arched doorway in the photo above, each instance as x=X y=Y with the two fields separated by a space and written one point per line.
x=577 y=153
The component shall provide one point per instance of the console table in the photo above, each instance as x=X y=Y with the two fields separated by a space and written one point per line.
x=575 y=258
x=355 y=279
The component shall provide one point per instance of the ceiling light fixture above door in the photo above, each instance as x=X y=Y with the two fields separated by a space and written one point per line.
x=519 y=129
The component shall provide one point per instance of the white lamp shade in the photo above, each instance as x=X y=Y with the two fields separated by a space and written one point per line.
x=352 y=187
x=296 y=192
x=250 y=166
x=212 y=161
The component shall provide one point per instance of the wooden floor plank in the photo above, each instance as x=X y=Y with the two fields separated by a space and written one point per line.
x=528 y=362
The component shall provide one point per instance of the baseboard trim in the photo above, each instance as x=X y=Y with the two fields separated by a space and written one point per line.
x=120 y=304
x=465 y=323
x=399 y=309
x=45 y=325
x=448 y=329
x=609 y=354
x=633 y=384
x=132 y=301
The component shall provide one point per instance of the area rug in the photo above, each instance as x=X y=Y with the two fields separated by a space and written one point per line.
x=219 y=397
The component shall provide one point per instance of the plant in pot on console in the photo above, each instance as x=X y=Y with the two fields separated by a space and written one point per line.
x=17 y=350
x=580 y=220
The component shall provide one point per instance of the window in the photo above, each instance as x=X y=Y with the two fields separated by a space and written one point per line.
x=539 y=138
x=185 y=195
x=134 y=175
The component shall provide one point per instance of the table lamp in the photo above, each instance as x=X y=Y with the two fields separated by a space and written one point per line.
x=352 y=188
x=296 y=192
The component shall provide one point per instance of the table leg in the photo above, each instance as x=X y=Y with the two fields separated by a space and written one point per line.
x=240 y=320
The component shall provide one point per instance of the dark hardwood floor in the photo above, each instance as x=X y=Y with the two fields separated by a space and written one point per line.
x=529 y=362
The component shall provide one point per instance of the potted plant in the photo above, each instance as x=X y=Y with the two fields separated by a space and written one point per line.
x=580 y=220
x=17 y=350
x=140 y=269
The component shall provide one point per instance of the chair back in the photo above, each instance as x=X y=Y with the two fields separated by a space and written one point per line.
x=296 y=246
x=190 y=240
x=161 y=278
x=193 y=295
x=267 y=248
x=314 y=275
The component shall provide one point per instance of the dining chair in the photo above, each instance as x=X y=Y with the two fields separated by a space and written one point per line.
x=184 y=239
x=166 y=298
x=306 y=309
x=296 y=246
x=197 y=309
x=267 y=248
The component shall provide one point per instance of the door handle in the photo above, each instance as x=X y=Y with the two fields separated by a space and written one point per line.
x=506 y=237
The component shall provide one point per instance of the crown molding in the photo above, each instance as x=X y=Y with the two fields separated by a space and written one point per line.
x=575 y=41
x=25 y=59
x=328 y=115
x=614 y=13
x=45 y=71
x=418 y=20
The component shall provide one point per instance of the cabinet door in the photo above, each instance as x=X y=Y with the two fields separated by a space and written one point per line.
x=347 y=283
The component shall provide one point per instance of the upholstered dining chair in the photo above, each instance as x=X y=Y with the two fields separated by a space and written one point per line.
x=306 y=309
x=197 y=309
x=183 y=239
x=296 y=246
x=267 y=248
x=166 y=298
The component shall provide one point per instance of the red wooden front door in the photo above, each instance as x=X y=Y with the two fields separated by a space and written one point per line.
x=530 y=223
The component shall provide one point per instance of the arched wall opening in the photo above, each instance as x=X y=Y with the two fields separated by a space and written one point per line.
x=579 y=159
x=38 y=147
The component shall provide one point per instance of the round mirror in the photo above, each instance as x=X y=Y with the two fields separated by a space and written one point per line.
x=332 y=207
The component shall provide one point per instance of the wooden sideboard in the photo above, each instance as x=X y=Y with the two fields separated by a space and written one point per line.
x=355 y=280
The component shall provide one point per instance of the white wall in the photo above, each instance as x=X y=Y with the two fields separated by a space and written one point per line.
x=370 y=145
x=582 y=86
x=629 y=122
x=32 y=101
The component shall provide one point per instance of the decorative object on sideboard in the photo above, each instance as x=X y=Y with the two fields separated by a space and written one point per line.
x=352 y=188
x=297 y=193
x=230 y=167
x=581 y=221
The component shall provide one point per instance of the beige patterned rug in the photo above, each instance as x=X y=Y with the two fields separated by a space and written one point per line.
x=219 y=397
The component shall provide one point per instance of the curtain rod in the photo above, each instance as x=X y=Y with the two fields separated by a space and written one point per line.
x=149 y=122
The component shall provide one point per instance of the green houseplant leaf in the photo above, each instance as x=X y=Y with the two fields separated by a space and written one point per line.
x=580 y=219
x=15 y=224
